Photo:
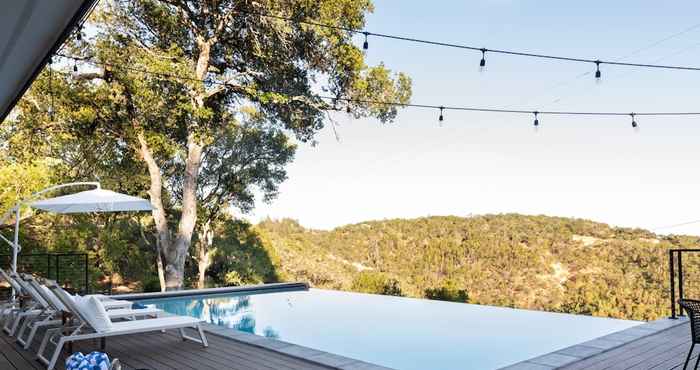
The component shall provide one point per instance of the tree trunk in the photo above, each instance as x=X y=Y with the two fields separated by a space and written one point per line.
x=175 y=251
x=159 y=263
x=175 y=257
x=163 y=240
x=204 y=251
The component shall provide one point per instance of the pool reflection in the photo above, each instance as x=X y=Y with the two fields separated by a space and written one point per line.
x=231 y=312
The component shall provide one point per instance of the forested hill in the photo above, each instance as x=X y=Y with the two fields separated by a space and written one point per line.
x=534 y=262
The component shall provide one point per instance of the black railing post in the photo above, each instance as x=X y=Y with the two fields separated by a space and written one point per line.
x=57 y=272
x=48 y=266
x=680 y=279
x=87 y=290
x=672 y=284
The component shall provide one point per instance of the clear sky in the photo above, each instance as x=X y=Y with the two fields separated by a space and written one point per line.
x=596 y=168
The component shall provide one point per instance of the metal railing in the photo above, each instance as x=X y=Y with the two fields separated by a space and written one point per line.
x=70 y=270
x=675 y=263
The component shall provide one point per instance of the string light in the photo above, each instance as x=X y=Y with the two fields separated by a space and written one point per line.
x=365 y=46
x=441 y=118
x=634 y=123
x=109 y=66
x=469 y=47
x=482 y=64
x=597 y=69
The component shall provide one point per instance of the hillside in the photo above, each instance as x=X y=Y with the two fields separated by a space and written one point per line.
x=533 y=262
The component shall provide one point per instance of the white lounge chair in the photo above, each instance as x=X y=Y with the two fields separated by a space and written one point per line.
x=56 y=318
x=38 y=309
x=9 y=307
x=85 y=330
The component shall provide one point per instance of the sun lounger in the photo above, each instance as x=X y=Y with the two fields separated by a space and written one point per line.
x=59 y=312
x=90 y=326
x=37 y=310
x=10 y=306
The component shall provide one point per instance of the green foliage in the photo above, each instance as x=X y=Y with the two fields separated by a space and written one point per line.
x=151 y=284
x=532 y=262
x=19 y=180
x=448 y=292
x=214 y=122
x=375 y=283
x=241 y=256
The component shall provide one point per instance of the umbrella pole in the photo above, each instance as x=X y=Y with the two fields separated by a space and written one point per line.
x=15 y=247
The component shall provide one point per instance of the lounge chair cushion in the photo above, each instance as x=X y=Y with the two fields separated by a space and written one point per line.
x=94 y=313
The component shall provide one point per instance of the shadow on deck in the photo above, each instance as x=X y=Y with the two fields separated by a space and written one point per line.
x=662 y=351
x=165 y=351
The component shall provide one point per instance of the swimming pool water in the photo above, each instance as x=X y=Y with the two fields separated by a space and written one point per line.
x=401 y=333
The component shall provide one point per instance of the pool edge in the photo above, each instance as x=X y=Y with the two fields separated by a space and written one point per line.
x=596 y=346
x=315 y=356
x=267 y=288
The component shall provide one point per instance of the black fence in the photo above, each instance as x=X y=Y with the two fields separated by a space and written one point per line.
x=70 y=270
x=677 y=277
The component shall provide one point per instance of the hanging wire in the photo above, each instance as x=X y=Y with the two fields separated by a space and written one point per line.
x=675 y=225
x=442 y=108
x=474 y=48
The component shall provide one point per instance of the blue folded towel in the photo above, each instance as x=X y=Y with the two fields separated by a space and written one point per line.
x=138 y=306
x=93 y=361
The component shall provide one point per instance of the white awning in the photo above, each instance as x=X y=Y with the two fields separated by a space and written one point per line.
x=97 y=200
x=30 y=31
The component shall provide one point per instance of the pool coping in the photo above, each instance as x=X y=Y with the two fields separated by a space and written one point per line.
x=578 y=352
x=263 y=288
x=315 y=356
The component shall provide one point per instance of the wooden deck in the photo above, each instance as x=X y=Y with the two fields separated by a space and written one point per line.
x=166 y=351
x=662 y=351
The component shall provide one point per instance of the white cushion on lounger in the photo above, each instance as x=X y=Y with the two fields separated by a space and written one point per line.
x=94 y=313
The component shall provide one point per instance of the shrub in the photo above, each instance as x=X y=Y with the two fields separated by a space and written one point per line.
x=151 y=285
x=376 y=283
x=448 y=292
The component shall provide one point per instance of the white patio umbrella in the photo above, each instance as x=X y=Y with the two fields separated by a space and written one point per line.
x=89 y=201
x=97 y=200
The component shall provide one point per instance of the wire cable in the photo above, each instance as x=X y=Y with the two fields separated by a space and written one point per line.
x=628 y=55
x=597 y=62
x=389 y=103
x=677 y=225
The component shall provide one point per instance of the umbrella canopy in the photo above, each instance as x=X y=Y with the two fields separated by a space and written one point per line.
x=96 y=200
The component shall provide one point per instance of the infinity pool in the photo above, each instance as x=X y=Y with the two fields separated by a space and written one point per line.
x=401 y=333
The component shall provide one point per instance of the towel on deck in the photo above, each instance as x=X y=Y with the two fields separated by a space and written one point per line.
x=93 y=361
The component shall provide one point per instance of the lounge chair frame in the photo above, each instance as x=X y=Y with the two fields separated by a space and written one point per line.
x=83 y=330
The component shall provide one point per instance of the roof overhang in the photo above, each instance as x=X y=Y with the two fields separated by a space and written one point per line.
x=30 y=32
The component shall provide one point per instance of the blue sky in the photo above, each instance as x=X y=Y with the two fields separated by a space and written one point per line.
x=597 y=168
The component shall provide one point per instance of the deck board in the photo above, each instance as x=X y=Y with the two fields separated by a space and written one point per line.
x=166 y=351
x=665 y=350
